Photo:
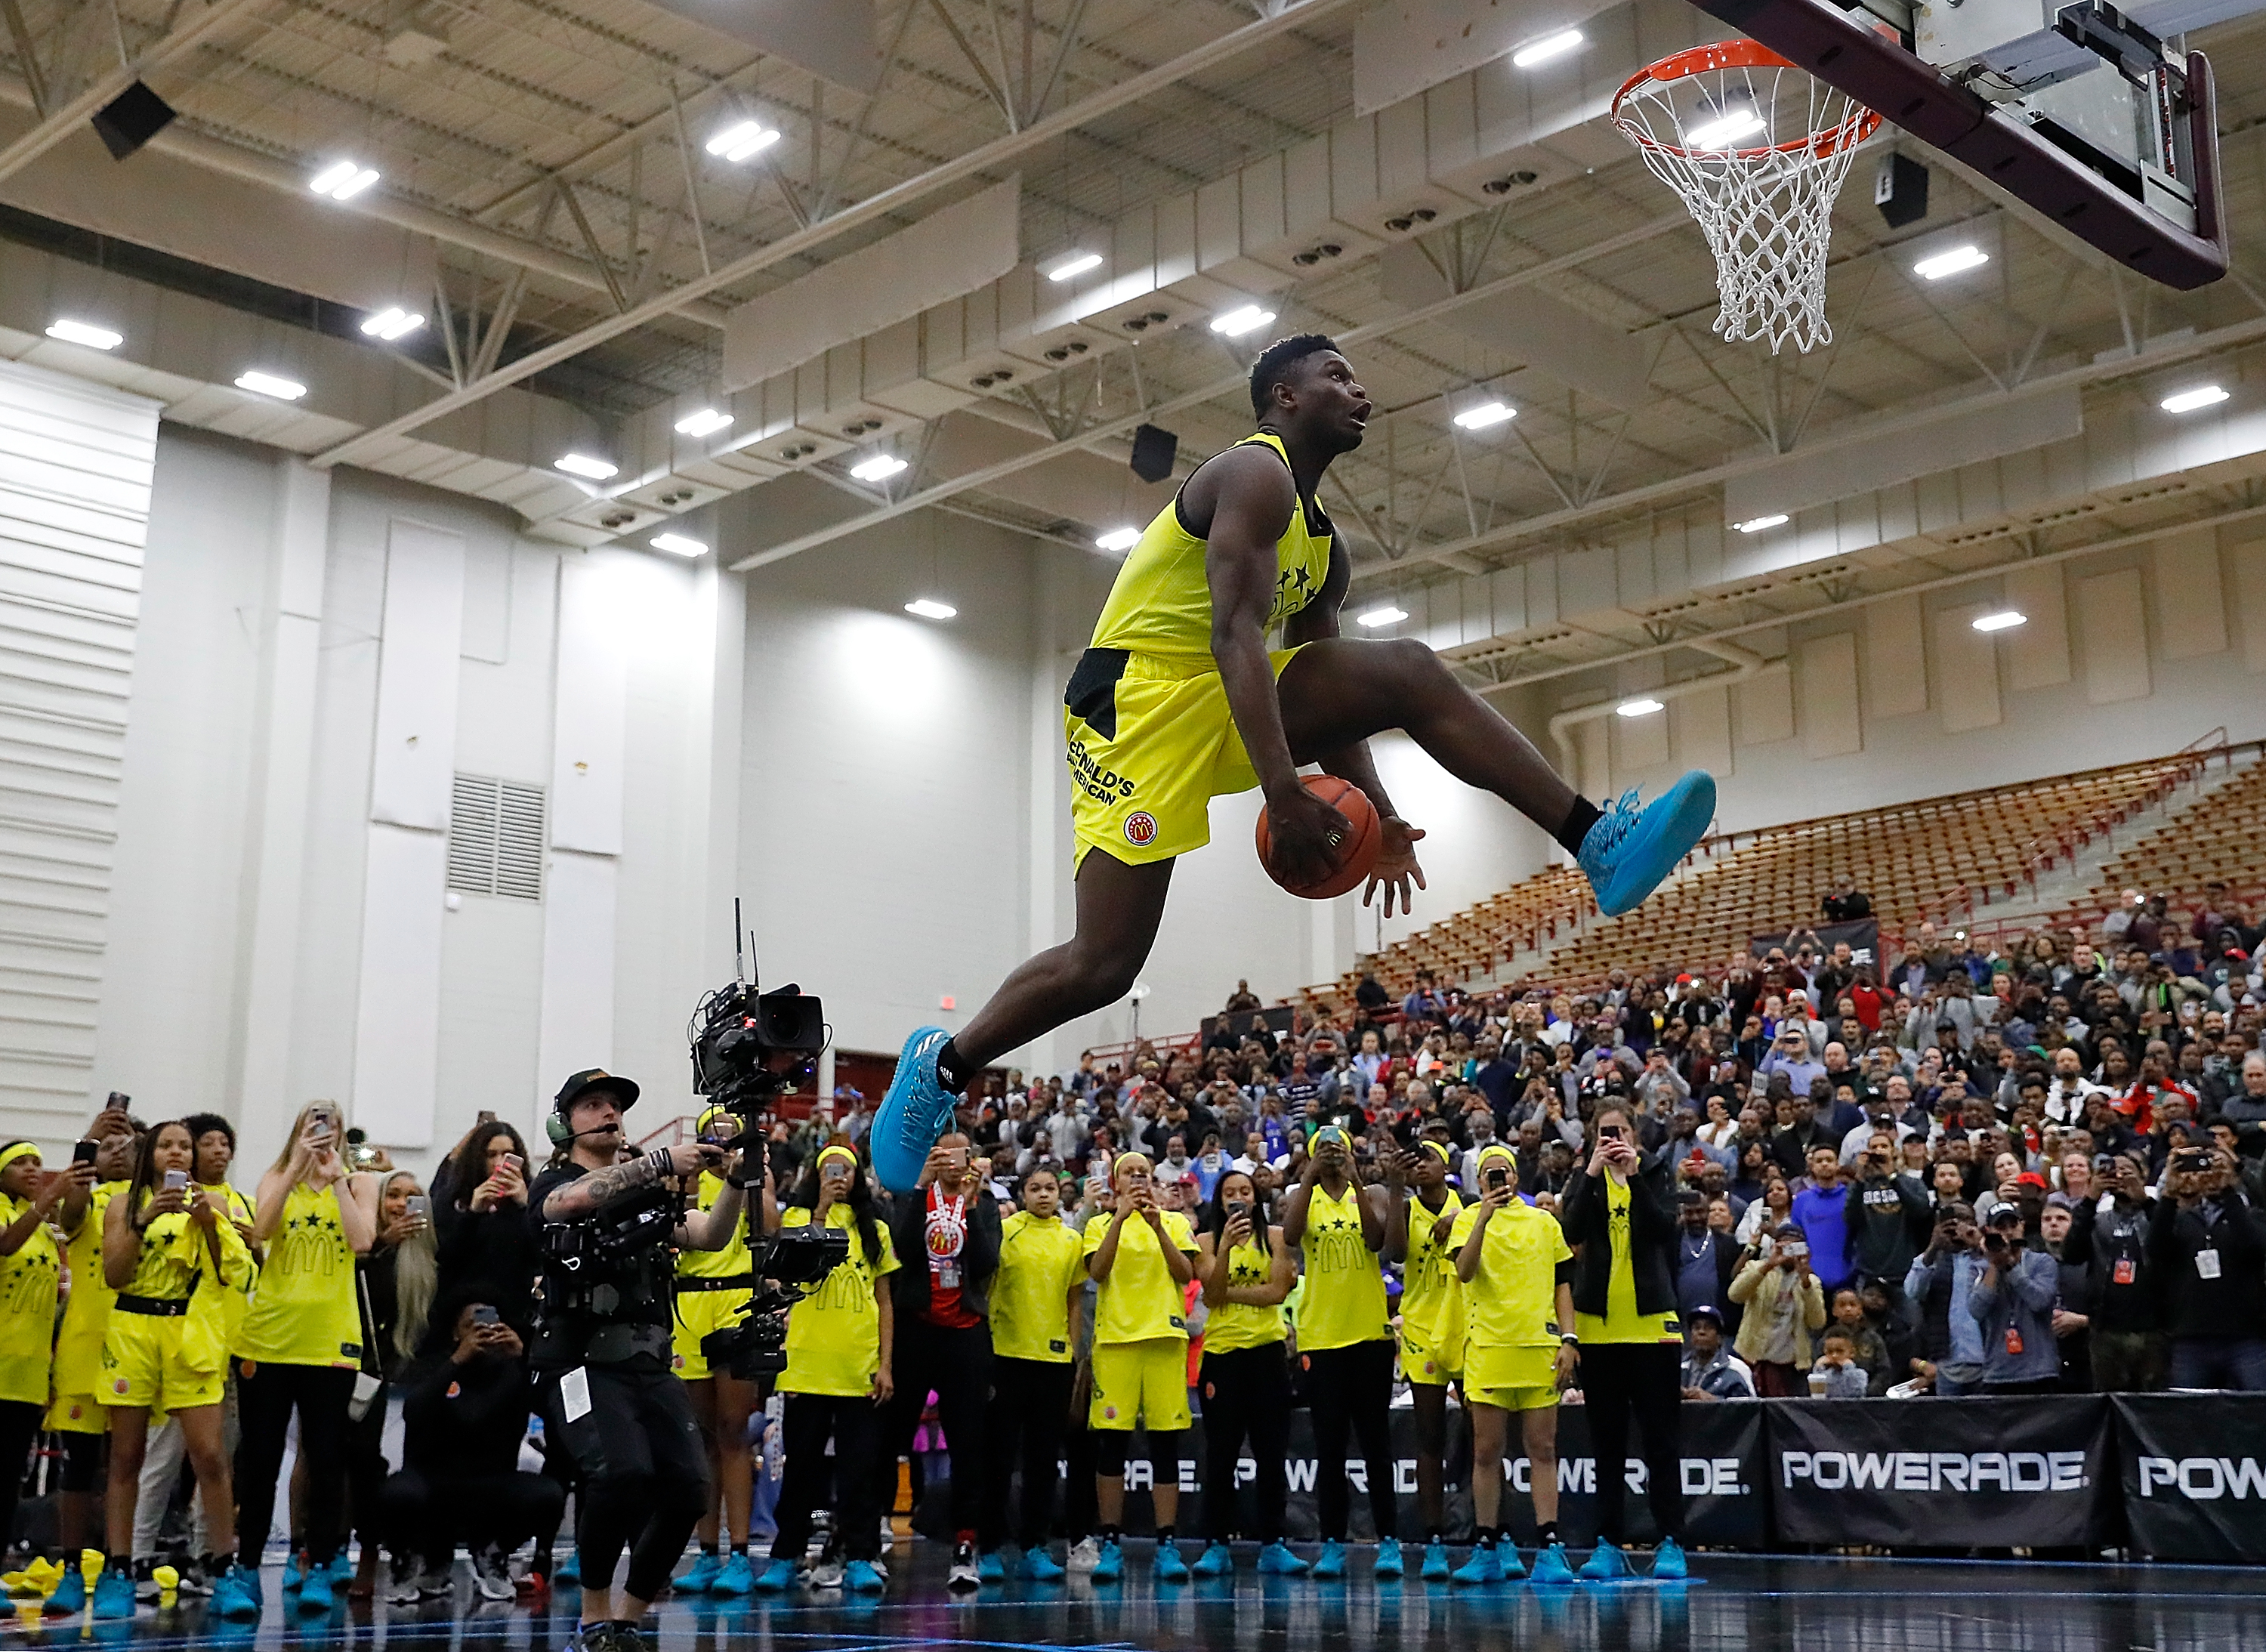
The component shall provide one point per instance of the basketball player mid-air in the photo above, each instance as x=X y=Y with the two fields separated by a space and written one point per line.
x=1179 y=699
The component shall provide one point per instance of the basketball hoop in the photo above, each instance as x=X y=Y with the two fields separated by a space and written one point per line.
x=1757 y=149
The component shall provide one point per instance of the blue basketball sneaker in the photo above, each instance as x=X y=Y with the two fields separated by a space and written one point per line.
x=1629 y=850
x=1607 y=1564
x=1668 y=1561
x=916 y=1111
x=704 y=1572
x=1551 y=1564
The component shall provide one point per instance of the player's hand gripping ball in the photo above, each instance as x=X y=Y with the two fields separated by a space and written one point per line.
x=1353 y=859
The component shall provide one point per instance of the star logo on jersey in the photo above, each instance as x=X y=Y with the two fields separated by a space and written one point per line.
x=1140 y=829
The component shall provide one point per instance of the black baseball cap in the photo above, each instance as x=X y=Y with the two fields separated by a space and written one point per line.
x=1704 y=1311
x=592 y=1078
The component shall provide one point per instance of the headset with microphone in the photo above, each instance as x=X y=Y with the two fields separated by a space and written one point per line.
x=560 y=1129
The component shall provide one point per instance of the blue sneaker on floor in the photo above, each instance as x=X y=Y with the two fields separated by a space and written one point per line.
x=990 y=1568
x=1629 y=850
x=1507 y=1551
x=113 y=1594
x=1331 y=1562
x=777 y=1575
x=1216 y=1561
x=69 y=1598
x=1551 y=1564
x=1110 y=1563
x=863 y=1577
x=912 y=1115
x=314 y=1590
x=1169 y=1566
x=1435 y=1569
x=1484 y=1565
x=342 y=1569
x=295 y=1571
x=1607 y=1564
x=571 y=1571
x=1388 y=1559
x=702 y=1575
x=737 y=1578
x=1039 y=1567
x=1668 y=1562
x=1276 y=1559
x=236 y=1594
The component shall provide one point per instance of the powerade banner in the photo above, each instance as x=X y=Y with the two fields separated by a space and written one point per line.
x=2195 y=1475
x=2023 y=1471
x=1721 y=1458
x=1863 y=936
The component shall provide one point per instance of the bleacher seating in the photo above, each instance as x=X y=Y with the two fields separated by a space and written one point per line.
x=2217 y=839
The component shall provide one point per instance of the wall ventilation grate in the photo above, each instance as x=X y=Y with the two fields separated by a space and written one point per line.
x=495 y=837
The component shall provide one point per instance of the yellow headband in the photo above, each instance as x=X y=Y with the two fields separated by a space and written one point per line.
x=18 y=1151
x=1117 y=1169
x=709 y=1115
x=847 y=1155
x=1438 y=1149
x=1495 y=1149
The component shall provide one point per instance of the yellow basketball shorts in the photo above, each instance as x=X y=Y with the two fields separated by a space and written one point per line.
x=701 y=1313
x=1152 y=742
x=1421 y=1362
x=1511 y=1378
x=141 y=1365
x=77 y=1413
x=1145 y=1382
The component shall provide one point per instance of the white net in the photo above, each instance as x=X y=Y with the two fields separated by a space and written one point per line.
x=1759 y=150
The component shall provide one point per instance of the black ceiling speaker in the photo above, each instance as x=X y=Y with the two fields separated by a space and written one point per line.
x=131 y=118
x=1153 y=452
x=1900 y=190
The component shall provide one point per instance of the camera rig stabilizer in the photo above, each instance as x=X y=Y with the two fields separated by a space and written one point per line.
x=749 y=1048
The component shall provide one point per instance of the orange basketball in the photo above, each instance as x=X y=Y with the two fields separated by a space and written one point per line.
x=1355 y=856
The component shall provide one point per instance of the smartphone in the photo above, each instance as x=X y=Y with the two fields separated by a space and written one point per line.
x=1497 y=1177
x=485 y=1117
x=1795 y=1247
x=83 y=1152
x=484 y=1314
x=176 y=1180
x=514 y=1161
x=1237 y=1207
x=1610 y=1132
x=416 y=1206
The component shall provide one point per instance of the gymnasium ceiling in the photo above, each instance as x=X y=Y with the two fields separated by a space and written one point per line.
x=549 y=157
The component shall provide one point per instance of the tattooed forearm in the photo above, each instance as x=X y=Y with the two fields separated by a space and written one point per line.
x=599 y=1189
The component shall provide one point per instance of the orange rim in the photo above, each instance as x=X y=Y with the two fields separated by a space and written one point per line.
x=1734 y=54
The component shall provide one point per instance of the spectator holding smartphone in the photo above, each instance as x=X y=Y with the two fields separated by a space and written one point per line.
x=1785 y=1304
x=2208 y=1246
x=396 y=1277
x=1036 y=1294
x=31 y=1281
x=1940 y=1283
x=1246 y=1271
x=487 y=1244
x=112 y=1141
x=2013 y=1302
x=2109 y=1234
x=1416 y=1237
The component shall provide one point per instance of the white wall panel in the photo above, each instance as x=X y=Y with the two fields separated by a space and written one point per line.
x=397 y=1021
x=577 y=1026
x=2249 y=560
x=2113 y=637
x=2190 y=597
x=586 y=769
x=2037 y=651
x=1703 y=731
x=1825 y=693
x=415 y=759
x=1966 y=669
x=1765 y=706
x=1895 y=658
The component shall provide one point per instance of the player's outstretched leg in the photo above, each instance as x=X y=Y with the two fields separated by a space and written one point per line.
x=1118 y=909
x=1340 y=690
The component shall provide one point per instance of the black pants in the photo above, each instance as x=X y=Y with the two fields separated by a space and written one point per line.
x=1646 y=1379
x=957 y=1364
x=1030 y=1407
x=644 y=1473
x=1348 y=1390
x=427 y=1515
x=366 y=1472
x=267 y=1393
x=1246 y=1393
x=19 y=1426
x=854 y=1425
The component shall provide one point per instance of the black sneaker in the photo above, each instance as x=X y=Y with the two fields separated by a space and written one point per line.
x=965 y=1572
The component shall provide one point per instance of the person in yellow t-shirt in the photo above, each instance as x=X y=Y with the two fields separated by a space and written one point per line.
x=1517 y=1275
x=1620 y=1215
x=31 y=1283
x=1248 y=1270
x=1035 y=1292
x=299 y=1350
x=838 y=1343
x=172 y=1256
x=1431 y=1321
x=73 y=1411
x=1140 y=1259
x=1346 y=1345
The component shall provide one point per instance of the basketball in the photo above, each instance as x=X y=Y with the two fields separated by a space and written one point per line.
x=1356 y=856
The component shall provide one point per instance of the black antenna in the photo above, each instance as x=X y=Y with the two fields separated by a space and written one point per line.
x=740 y=928
x=739 y=958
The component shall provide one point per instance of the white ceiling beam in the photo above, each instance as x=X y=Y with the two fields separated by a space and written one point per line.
x=985 y=157
x=60 y=122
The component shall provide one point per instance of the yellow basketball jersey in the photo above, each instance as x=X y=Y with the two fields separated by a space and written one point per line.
x=1161 y=602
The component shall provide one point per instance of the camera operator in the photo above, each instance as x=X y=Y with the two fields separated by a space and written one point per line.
x=2207 y=1244
x=2013 y=1303
x=464 y=1415
x=949 y=1222
x=1939 y=1284
x=602 y=1346
x=2125 y=1333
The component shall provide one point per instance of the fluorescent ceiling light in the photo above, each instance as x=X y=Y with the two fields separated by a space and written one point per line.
x=1721 y=133
x=677 y=544
x=879 y=468
x=706 y=422
x=2005 y=619
x=1756 y=524
x=85 y=332
x=929 y=609
x=393 y=323
x=1480 y=417
x=1387 y=615
x=1118 y=539
x=2185 y=401
x=343 y=180
x=1236 y=323
x=738 y=142
x=1639 y=708
x=1549 y=47
x=269 y=384
x=1951 y=263
x=583 y=465
x=1076 y=264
